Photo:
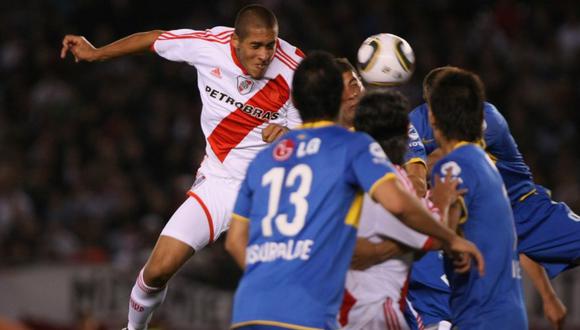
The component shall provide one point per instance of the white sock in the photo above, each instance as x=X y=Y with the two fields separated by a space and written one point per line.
x=143 y=301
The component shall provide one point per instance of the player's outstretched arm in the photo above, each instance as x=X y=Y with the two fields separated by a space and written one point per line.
x=237 y=240
x=367 y=253
x=554 y=309
x=83 y=50
x=397 y=200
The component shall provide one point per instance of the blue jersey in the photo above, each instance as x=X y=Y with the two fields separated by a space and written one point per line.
x=493 y=301
x=499 y=144
x=302 y=197
x=429 y=289
x=416 y=150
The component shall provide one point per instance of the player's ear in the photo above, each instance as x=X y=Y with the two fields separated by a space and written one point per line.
x=235 y=40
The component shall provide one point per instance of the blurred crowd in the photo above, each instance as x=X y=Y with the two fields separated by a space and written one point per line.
x=95 y=157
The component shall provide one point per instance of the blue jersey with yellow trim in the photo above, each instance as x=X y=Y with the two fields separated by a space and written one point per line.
x=416 y=150
x=493 y=301
x=302 y=197
x=499 y=143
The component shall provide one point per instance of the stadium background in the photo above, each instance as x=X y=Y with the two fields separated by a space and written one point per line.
x=94 y=157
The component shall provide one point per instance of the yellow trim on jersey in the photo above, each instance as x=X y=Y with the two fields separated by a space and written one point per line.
x=388 y=176
x=274 y=323
x=461 y=144
x=317 y=124
x=523 y=198
x=464 y=213
x=415 y=160
x=353 y=216
x=240 y=218
x=492 y=157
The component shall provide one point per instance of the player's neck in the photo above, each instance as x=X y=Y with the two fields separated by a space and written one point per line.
x=447 y=145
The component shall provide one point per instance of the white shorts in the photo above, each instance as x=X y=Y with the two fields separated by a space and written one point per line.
x=205 y=214
x=443 y=325
x=379 y=315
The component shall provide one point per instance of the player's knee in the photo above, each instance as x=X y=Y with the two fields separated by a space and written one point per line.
x=158 y=271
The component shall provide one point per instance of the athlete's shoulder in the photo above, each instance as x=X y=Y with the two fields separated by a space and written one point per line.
x=461 y=157
x=419 y=118
x=287 y=54
x=492 y=115
x=218 y=34
x=420 y=111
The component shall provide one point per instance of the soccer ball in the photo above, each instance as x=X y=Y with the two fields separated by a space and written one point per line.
x=386 y=60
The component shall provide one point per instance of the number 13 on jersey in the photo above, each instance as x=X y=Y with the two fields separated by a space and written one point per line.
x=276 y=178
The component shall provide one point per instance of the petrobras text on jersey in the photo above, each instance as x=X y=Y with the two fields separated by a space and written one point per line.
x=271 y=251
x=247 y=108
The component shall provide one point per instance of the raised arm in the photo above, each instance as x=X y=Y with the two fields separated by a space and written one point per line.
x=417 y=173
x=367 y=253
x=83 y=50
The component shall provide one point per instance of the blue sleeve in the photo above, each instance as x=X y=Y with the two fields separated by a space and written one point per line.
x=368 y=162
x=243 y=205
x=416 y=150
x=497 y=136
x=419 y=118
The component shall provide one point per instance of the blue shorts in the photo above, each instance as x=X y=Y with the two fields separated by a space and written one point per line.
x=548 y=232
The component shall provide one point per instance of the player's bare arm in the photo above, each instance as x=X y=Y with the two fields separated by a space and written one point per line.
x=367 y=253
x=433 y=158
x=237 y=240
x=408 y=208
x=83 y=50
x=417 y=174
x=554 y=309
x=273 y=131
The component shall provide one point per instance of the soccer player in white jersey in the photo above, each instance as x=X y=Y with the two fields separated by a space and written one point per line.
x=374 y=297
x=380 y=265
x=244 y=77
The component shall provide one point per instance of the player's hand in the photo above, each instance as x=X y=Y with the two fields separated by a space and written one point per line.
x=80 y=47
x=273 y=131
x=459 y=246
x=555 y=311
x=461 y=263
x=444 y=193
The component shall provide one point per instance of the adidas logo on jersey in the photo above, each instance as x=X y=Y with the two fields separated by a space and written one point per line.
x=216 y=72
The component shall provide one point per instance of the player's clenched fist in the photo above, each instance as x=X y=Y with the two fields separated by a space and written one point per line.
x=272 y=132
x=80 y=47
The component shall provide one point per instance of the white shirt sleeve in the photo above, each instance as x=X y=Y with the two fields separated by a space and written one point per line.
x=184 y=45
x=292 y=116
x=375 y=220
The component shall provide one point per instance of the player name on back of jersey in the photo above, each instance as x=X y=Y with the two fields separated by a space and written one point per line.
x=247 y=108
x=271 y=251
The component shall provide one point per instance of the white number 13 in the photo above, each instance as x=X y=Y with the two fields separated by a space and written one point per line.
x=275 y=178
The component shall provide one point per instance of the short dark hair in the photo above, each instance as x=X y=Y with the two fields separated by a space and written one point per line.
x=256 y=16
x=456 y=101
x=344 y=65
x=430 y=77
x=317 y=87
x=383 y=114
